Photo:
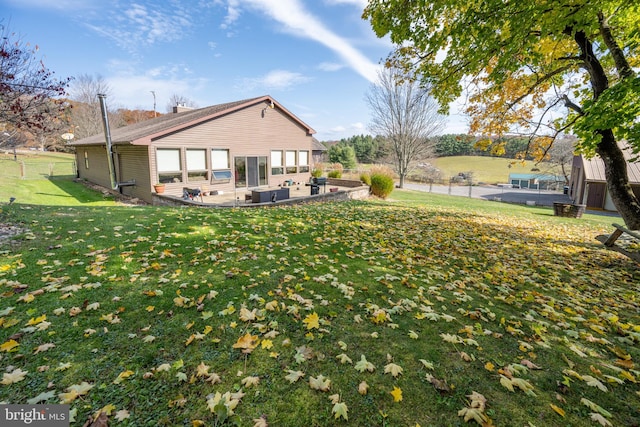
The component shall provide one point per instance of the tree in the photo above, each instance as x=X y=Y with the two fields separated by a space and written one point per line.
x=86 y=117
x=522 y=61
x=405 y=114
x=180 y=100
x=30 y=95
x=561 y=153
x=343 y=154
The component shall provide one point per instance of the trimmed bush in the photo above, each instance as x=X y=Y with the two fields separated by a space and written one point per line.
x=381 y=185
x=366 y=178
x=335 y=174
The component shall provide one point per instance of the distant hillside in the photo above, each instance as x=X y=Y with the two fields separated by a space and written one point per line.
x=489 y=170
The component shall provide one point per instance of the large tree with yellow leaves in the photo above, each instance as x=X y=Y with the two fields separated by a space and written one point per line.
x=524 y=62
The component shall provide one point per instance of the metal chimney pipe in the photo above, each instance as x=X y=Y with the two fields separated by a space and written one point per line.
x=107 y=135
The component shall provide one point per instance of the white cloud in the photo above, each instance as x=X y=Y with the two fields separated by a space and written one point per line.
x=299 y=22
x=330 y=66
x=233 y=14
x=276 y=80
x=359 y=3
x=138 y=25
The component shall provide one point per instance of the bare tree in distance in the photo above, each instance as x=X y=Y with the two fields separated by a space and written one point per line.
x=182 y=100
x=86 y=117
x=406 y=115
x=562 y=152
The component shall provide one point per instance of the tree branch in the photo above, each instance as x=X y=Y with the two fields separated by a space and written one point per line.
x=623 y=67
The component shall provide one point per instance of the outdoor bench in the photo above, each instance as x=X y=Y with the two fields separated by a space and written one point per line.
x=618 y=232
x=625 y=248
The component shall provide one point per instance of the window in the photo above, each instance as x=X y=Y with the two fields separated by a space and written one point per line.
x=291 y=162
x=220 y=168
x=86 y=159
x=276 y=163
x=196 y=165
x=303 y=161
x=169 y=165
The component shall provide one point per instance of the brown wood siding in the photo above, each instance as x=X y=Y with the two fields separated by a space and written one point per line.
x=98 y=171
x=132 y=162
x=245 y=133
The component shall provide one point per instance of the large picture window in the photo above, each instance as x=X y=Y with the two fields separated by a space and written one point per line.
x=220 y=167
x=303 y=161
x=291 y=163
x=277 y=167
x=169 y=165
x=196 y=165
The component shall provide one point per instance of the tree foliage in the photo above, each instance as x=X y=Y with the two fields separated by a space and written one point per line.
x=30 y=94
x=343 y=154
x=523 y=63
x=368 y=149
x=405 y=114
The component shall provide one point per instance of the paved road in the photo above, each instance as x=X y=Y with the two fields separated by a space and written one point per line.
x=491 y=192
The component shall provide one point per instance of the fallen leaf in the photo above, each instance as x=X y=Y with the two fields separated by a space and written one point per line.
x=320 y=383
x=340 y=410
x=397 y=394
x=14 y=376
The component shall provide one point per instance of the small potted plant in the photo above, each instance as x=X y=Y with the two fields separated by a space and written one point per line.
x=159 y=188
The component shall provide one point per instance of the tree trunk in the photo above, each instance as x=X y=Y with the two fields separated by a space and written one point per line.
x=615 y=167
x=401 y=183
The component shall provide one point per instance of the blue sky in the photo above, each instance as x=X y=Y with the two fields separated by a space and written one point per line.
x=316 y=57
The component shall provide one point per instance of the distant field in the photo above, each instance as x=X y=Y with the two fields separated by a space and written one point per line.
x=490 y=170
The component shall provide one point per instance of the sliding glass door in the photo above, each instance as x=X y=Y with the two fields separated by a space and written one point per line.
x=250 y=171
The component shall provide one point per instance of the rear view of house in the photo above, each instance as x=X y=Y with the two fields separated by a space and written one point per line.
x=227 y=147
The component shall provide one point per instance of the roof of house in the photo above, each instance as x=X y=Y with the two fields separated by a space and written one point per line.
x=538 y=176
x=317 y=145
x=143 y=133
x=594 y=167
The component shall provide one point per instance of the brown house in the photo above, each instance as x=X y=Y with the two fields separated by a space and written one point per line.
x=238 y=145
x=588 y=184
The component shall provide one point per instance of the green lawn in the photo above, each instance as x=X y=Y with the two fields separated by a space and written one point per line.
x=422 y=310
x=490 y=170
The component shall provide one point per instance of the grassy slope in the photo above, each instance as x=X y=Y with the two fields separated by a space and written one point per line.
x=490 y=170
x=473 y=288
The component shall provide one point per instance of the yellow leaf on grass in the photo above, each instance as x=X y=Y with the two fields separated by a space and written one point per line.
x=312 y=321
x=35 y=321
x=123 y=376
x=247 y=343
x=397 y=394
x=557 y=409
x=489 y=366
x=9 y=345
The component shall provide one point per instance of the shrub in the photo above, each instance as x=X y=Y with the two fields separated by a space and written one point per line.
x=366 y=178
x=316 y=172
x=335 y=174
x=381 y=185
